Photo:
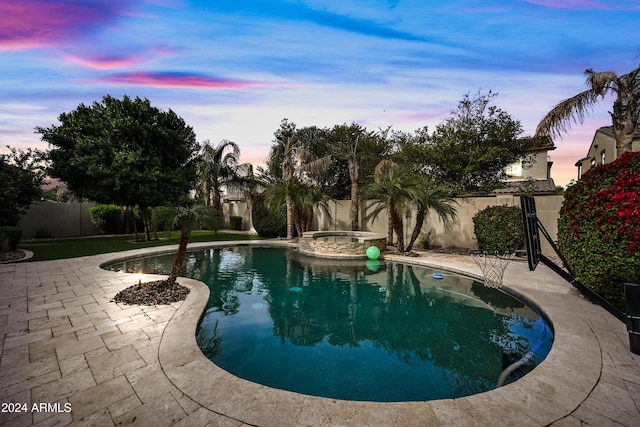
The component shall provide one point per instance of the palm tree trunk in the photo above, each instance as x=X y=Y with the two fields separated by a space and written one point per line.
x=398 y=227
x=354 y=206
x=185 y=235
x=420 y=217
x=353 y=176
x=289 y=218
x=309 y=222
x=389 y=228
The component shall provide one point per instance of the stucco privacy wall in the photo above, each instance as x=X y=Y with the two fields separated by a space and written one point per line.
x=460 y=233
x=72 y=219
x=56 y=220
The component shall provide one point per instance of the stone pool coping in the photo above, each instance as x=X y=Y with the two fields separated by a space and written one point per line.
x=551 y=392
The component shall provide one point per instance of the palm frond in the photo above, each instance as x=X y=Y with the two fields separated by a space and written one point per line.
x=571 y=110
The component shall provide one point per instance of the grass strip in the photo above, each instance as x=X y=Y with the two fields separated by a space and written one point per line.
x=71 y=248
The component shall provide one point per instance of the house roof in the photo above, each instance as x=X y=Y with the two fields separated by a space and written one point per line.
x=531 y=186
x=608 y=130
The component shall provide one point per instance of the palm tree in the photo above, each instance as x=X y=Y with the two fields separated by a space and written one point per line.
x=186 y=218
x=289 y=161
x=218 y=167
x=344 y=141
x=300 y=199
x=392 y=190
x=626 y=107
x=430 y=196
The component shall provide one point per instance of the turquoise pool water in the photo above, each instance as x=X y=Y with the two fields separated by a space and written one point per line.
x=355 y=330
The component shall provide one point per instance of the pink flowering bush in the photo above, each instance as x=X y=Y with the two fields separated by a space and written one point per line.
x=599 y=227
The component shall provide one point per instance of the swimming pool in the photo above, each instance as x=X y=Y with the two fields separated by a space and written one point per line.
x=347 y=330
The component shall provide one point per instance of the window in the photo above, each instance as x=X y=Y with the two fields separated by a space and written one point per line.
x=580 y=171
x=602 y=157
x=514 y=169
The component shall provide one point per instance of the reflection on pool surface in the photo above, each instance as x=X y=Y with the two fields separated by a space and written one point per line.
x=355 y=330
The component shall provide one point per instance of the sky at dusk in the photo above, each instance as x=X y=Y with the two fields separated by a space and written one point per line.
x=234 y=69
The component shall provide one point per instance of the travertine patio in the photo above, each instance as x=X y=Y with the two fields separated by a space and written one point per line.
x=63 y=341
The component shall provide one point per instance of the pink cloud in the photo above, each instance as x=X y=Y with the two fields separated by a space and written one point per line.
x=34 y=23
x=105 y=62
x=176 y=80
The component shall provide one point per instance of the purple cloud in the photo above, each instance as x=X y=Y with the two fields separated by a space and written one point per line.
x=28 y=24
x=176 y=80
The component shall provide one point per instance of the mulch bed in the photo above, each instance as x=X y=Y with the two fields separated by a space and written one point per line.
x=11 y=256
x=160 y=292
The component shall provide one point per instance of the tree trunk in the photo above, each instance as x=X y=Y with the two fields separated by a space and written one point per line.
x=420 y=217
x=398 y=227
x=389 y=228
x=353 y=176
x=185 y=235
x=144 y=212
x=354 y=207
x=626 y=109
x=135 y=226
x=309 y=220
x=289 y=218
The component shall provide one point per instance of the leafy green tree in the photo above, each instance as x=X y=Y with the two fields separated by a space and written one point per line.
x=626 y=106
x=124 y=152
x=186 y=218
x=469 y=150
x=21 y=174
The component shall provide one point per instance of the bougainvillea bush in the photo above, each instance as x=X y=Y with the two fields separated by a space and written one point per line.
x=599 y=227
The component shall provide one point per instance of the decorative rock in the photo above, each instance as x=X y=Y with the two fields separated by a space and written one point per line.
x=152 y=293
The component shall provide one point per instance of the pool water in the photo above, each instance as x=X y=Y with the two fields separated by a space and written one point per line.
x=355 y=330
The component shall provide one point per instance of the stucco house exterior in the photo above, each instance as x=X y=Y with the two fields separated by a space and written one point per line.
x=603 y=149
x=532 y=173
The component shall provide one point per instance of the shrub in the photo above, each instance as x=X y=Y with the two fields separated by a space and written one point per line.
x=235 y=222
x=267 y=223
x=499 y=227
x=599 y=227
x=10 y=238
x=106 y=218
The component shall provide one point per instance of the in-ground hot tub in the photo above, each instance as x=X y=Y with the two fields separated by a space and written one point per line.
x=342 y=244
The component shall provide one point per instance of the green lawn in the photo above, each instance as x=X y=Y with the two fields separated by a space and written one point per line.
x=71 y=248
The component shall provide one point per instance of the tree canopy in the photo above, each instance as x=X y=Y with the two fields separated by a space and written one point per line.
x=469 y=150
x=21 y=174
x=125 y=152
x=626 y=106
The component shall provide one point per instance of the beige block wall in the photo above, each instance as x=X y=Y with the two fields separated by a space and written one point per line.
x=460 y=233
x=57 y=220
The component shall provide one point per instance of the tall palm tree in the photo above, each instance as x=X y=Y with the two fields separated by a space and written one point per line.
x=430 y=197
x=218 y=167
x=186 y=218
x=344 y=140
x=290 y=160
x=626 y=106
